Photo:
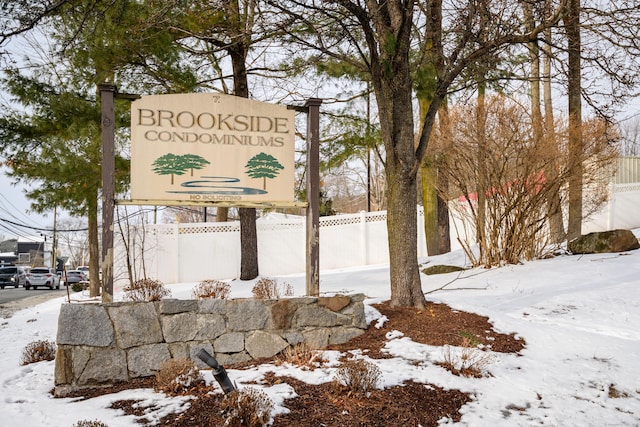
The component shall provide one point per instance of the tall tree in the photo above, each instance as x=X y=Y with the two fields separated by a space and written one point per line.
x=22 y=16
x=55 y=144
x=436 y=212
x=571 y=21
x=97 y=41
x=240 y=27
x=381 y=33
x=555 y=215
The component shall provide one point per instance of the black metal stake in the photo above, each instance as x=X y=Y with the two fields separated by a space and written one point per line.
x=219 y=372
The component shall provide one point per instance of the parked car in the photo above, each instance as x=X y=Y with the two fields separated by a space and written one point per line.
x=74 y=276
x=42 y=276
x=12 y=276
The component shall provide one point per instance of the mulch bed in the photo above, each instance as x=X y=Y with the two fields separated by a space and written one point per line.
x=329 y=404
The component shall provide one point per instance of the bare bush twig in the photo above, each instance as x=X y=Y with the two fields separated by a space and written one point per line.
x=146 y=290
x=87 y=423
x=267 y=288
x=212 y=289
x=300 y=355
x=505 y=185
x=359 y=376
x=177 y=376
x=467 y=360
x=248 y=407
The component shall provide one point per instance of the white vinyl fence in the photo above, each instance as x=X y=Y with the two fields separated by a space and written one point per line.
x=175 y=253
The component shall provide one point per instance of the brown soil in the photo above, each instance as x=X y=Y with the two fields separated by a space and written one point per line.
x=331 y=405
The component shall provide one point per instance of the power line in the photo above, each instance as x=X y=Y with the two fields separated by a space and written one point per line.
x=12 y=212
x=47 y=230
x=60 y=230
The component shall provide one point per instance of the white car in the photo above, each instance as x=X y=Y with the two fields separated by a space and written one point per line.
x=42 y=276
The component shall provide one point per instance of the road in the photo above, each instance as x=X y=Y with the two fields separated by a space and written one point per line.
x=12 y=299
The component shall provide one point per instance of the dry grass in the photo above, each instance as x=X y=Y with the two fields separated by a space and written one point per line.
x=146 y=290
x=38 y=351
x=178 y=376
x=467 y=360
x=300 y=355
x=212 y=289
x=267 y=288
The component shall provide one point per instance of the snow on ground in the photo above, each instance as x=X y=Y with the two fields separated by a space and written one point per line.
x=579 y=315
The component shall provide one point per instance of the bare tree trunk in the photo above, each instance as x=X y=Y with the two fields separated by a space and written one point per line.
x=428 y=176
x=572 y=25
x=222 y=214
x=129 y=248
x=406 y=288
x=555 y=215
x=534 y=85
x=249 y=241
x=391 y=78
x=444 y=229
x=436 y=213
x=481 y=178
x=482 y=183
x=94 y=248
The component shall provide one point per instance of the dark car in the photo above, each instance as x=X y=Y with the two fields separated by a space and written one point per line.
x=12 y=276
x=74 y=276
x=42 y=276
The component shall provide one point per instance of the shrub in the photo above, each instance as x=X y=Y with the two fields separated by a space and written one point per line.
x=37 y=351
x=267 y=288
x=212 y=289
x=177 y=376
x=508 y=189
x=358 y=376
x=146 y=290
x=85 y=423
x=468 y=360
x=79 y=286
x=247 y=408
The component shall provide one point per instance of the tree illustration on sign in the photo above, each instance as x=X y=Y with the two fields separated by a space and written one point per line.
x=193 y=161
x=172 y=164
x=263 y=166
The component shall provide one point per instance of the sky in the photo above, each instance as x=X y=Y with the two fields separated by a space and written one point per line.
x=579 y=316
x=16 y=208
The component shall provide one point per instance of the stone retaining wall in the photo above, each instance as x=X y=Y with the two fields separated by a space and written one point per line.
x=103 y=344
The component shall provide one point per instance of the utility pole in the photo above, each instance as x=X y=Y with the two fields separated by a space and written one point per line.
x=54 y=259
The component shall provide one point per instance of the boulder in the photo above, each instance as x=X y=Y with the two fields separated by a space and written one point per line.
x=246 y=315
x=334 y=303
x=604 y=242
x=87 y=324
x=264 y=344
x=146 y=360
x=129 y=318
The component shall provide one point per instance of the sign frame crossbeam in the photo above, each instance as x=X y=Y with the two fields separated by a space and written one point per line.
x=223 y=204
